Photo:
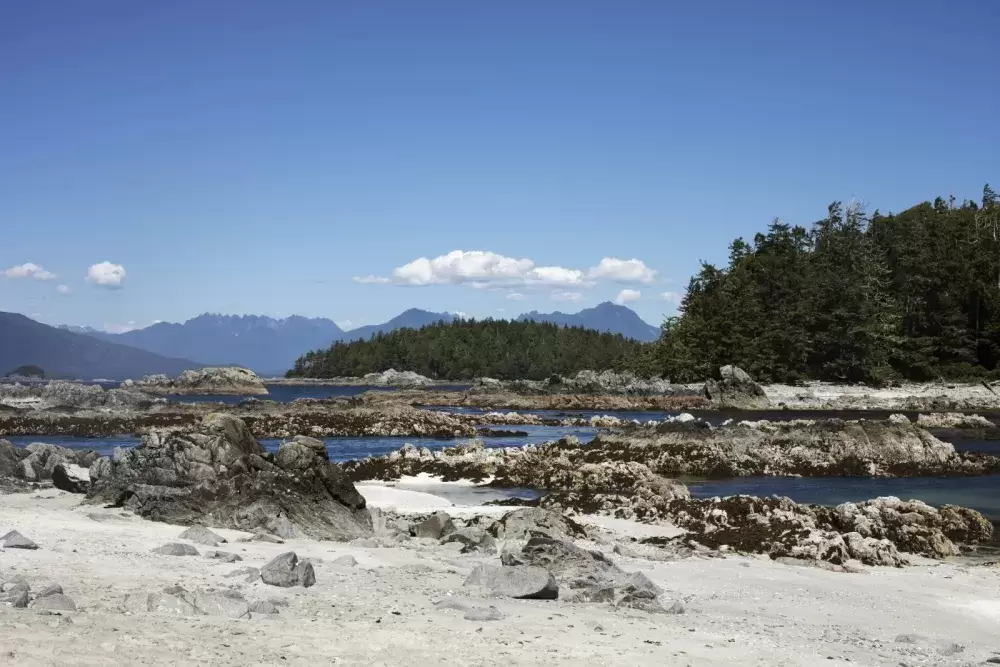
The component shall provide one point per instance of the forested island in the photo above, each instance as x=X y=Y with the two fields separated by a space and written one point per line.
x=855 y=297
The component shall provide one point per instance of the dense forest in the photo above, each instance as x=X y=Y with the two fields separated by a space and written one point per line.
x=467 y=349
x=855 y=297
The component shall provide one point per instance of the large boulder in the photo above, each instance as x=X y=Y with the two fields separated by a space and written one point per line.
x=434 y=527
x=287 y=570
x=735 y=389
x=523 y=582
x=70 y=477
x=522 y=524
x=472 y=540
x=15 y=540
x=219 y=476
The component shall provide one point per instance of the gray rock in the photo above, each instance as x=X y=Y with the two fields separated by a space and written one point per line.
x=55 y=602
x=15 y=540
x=520 y=581
x=176 y=549
x=71 y=477
x=527 y=522
x=736 y=389
x=51 y=589
x=483 y=614
x=18 y=599
x=202 y=535
x=951 y=648
x=249 y=574
x=224 y=556
x=230 y=605
x=263 y=607
x=472 y=539
x=434 y=527
x=286 y=570
x=164 y=603
x=346 y=561
x=263 y=537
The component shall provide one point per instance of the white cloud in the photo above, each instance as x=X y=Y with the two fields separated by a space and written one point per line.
x=111 y=327
x=344 y=324
x=515 y=296
x=672 y=297
x=623 y=271
x=627 y=295
x=107 y=275
x=29 y=270
x=372 y=280
x=63 y=289
x=462 y=315
x=566 y=296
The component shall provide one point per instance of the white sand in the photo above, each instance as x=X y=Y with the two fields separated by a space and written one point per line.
x=740 y=611
x=379 y=495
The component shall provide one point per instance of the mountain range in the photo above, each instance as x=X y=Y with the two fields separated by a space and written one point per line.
x=270 y=346
x=65 y=354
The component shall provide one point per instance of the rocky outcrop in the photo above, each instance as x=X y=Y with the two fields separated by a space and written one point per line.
x=735 y=389
x=43 y=463
x=514 y=399
x=953 y=420
x=586 y=382
x=819 y=448
x=529 y=522
x=220 y=380
x=219 y=476
x=59 y=394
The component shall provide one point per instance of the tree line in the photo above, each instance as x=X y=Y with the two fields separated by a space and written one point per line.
x=466 y=349
x=855 y=298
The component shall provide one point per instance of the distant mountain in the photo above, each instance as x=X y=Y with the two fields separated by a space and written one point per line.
x=607 y=316
x=65 y=354
x=265 y=345
x=80 y=330
x=414 y=318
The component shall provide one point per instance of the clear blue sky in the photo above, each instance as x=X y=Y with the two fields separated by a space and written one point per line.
x=257 y=157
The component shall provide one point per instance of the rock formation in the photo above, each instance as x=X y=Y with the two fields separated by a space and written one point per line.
x=42 y=462
x=58 y=394
x=221 y=380
x=735 y=389
x=219 y=476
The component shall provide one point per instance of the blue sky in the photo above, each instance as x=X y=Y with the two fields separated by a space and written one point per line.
x=258 y=157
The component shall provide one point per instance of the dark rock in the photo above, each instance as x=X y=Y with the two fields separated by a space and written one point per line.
x=286 y=570
x=176 y=549
x=472 y=539
x=16 y=599
x=219 y=475
x=15 y=540
x=519 y=581
x=202 y=535
x=54 y=602
x=434 y=527
x=71 y=478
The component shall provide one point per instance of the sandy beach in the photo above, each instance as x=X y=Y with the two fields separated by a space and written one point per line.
x=738 y=610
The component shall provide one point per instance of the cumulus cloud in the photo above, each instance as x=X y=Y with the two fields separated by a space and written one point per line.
x=566 y=296
x=672 y=297
x=106 y=275
x=63 y=289
x=623 y=271
x=489 y=270
x=29 y=270
x=627 y=295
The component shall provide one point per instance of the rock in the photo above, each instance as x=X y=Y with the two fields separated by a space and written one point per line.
x=231 y=604
x=224 y=556
x=910 y=639
x=483 y=614
x=346 y=561
x=249 y=574
x=54 y=602
x=51 y=589
x=223 y=380
x=15 y=540
x=263 y=607
x=529 y=522
x=70 y=477
x=434 y=527
x=589 y=576
x=164 y=603
x=15 y=599
x=519 y=581
x=176 y=549
x=286 y=570
x=736 y=389
x=263 y=537
x=472 y=539
x=202 y=535
x=218 y=475
x=953 y=420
